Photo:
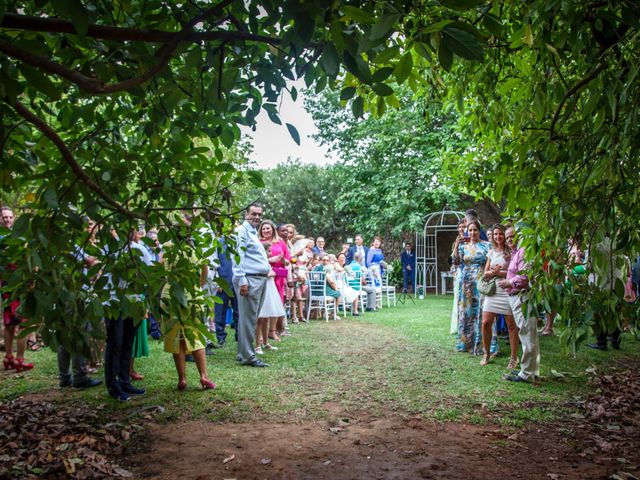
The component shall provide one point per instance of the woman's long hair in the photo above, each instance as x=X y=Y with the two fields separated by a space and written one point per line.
x=505 y=247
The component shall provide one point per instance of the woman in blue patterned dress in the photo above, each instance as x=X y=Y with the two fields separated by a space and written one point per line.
x=472 y=253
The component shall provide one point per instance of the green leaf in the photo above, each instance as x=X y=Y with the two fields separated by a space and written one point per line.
x=274 y=117
x=461 y=4
x=382 y=89
x=357 y=67
x=51 y=197
x=347 y=93
x=256 y=178
x=294 y=133
x=40 y=82
x=357 y=14
x=387 y=54
x=178 y=293
x=357 y=107
x=445 y=57
x=462 y=43
x=493 y=24
x=404 y=67
x=423 y=51
x=383 y=27
x=74 y=10
x=527 y=35
x=227 y=137
x=294 y=93
x=382 y=74
x=330 y=60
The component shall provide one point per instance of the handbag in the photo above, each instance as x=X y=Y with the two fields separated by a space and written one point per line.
x=487 y=287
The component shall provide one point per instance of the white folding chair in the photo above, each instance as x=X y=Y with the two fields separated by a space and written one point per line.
x=318 y=298
x=388 y=291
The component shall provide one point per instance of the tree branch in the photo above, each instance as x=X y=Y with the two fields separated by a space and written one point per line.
x=48 y=132
x=569 y=93
x=53 y=25
x=94 y=85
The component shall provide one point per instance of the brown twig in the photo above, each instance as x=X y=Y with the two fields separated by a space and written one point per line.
x=569 y=93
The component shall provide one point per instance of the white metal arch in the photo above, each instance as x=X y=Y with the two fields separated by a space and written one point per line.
x=427 y=247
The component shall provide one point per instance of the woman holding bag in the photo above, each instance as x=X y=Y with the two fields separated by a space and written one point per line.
x=497 y=303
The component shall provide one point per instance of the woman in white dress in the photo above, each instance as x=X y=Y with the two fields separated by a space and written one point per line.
x=272 y=308
x=498 y=303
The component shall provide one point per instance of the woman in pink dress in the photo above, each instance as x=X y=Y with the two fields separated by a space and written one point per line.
x=284 y=267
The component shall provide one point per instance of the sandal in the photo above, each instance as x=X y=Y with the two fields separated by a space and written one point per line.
x=9 y=362
x=485 y=360
x=19 y=364
x=513 y=363
x=274 y=336
x=546 y=333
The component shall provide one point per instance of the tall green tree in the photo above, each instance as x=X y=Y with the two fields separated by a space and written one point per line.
x=555 y=110
x=391 y=170
x=302 y=194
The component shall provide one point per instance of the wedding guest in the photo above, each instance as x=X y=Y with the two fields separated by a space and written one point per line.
x=498 y=304
x=11 y=318
x=473 y=253
x=516 y=284
x=250 y=271
x=408 y=263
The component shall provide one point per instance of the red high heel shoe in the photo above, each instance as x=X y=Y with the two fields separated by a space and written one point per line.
x=182 y=385
x=19 y=365
x=9 y=362
x=207 y=384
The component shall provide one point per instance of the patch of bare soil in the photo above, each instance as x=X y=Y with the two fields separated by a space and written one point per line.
x=41 y=438
x=579 y=447
x=600 y=440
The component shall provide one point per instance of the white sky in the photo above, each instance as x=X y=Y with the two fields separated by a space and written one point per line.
x=272 y=143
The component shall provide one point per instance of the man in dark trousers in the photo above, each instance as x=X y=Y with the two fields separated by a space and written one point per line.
x=408 y=262
x=220 y=312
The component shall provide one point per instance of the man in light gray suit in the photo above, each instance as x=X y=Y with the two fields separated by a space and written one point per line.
x=250 y=281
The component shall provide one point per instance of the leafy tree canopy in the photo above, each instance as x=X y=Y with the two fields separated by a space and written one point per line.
x=391 y=173
x=101 y=106
x=101 y=102
x=301 y=194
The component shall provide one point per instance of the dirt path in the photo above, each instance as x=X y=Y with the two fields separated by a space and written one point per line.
x=363 y=448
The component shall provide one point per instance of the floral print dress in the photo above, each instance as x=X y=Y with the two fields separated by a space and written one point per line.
x=474 y=258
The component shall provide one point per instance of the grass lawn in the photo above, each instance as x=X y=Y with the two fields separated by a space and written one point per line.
x=399 y=360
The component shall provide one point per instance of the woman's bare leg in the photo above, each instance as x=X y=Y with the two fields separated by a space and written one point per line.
x=487 y=325
x=201 y=362
x=513 y=336
x=181 y=366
